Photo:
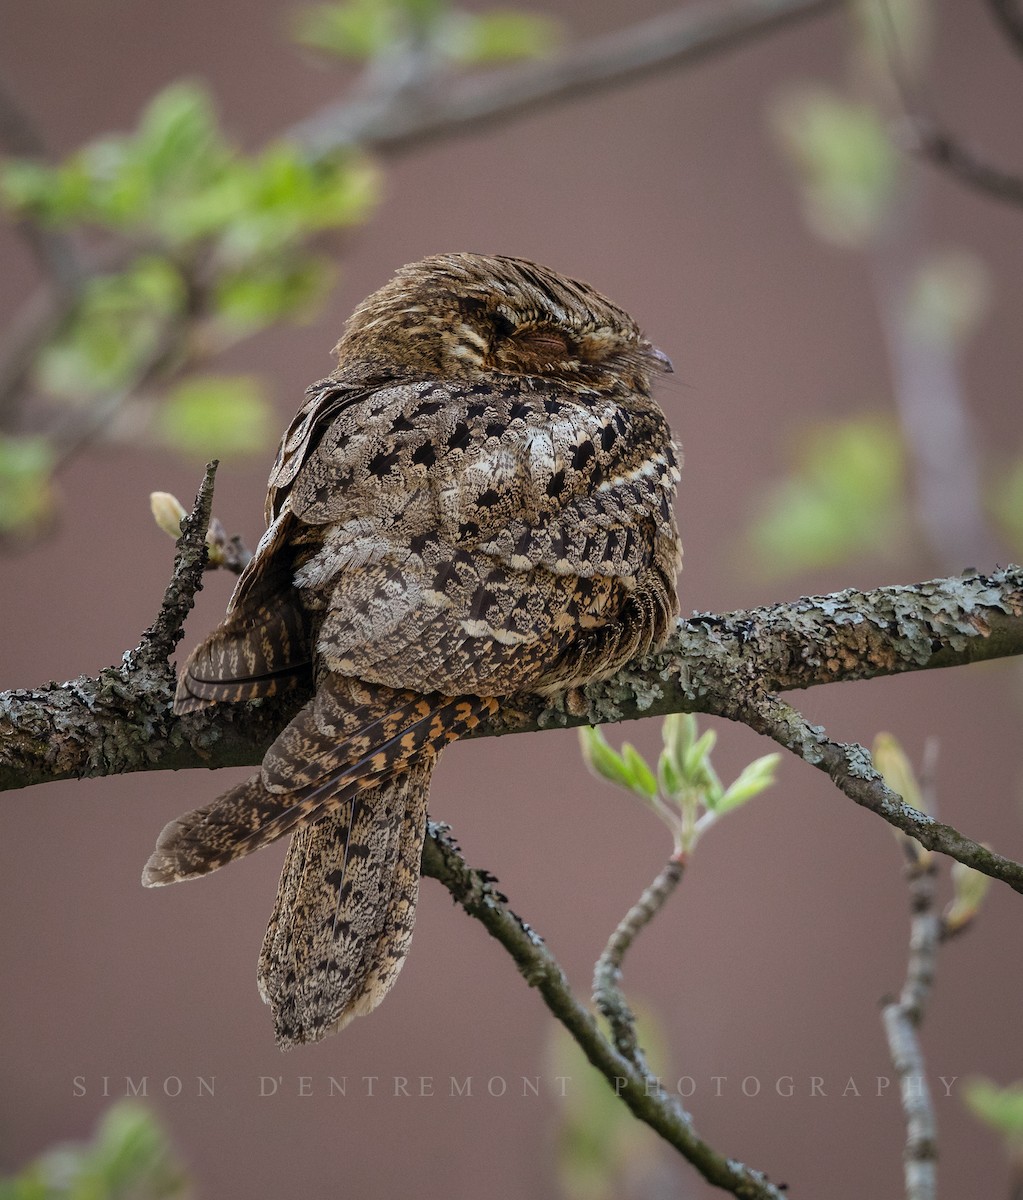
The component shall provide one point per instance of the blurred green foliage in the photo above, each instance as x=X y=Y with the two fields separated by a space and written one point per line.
x=118 y=321
x=129 y=1158
x=26 y=493
x=205 y=244
x=210 y=414
x=600 y=1144
x=1006 y=501
x=685 y=791
x=844 y=495
x=999 y=1108
x=212 y=244
x=364 y=29
x=177 y=180
x=969 y=886
x=948 y=296
x=846 y=164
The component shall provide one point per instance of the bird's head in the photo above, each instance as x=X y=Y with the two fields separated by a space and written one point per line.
x=457 y=315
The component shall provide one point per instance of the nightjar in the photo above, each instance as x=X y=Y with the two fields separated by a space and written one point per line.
x=476 y=504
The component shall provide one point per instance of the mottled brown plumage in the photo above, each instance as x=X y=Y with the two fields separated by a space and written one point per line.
x=476 y=504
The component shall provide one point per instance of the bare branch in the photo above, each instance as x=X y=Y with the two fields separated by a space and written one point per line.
x=474 y=890
x=159 y=640
x=403 y=119
x=1009 y=14
x=607 y=992
x=939 y=147
x=402 y=114
x=53 y=250
x=852 y=772
x=902 y=1019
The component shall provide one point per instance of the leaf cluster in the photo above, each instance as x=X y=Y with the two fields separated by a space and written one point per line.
x=684 y=790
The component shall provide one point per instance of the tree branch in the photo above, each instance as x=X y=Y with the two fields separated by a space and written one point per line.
x=1009 y=14
x=54 y=251
x=607 y=975
x=474 y=890
x=400 y=119
x=902 y=1018
x=852 y=772
x=122 y=721
x=397 y=116
x=939 y=147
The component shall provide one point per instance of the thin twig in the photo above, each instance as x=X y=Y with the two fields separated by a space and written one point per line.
x=474 y=890
x=1009 y=14
x=852 y=771
x=607 y=974
x=925 y=136
x=405 y=113
x=403 y=119
x=158 y=642
x=902 y=1019
x=940 y=148
x=54 y=251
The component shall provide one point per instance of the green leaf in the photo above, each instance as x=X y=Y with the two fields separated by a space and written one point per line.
x=258 y=295
x=152 y=179
x=845 y=160
x=26 y=490
x=1006 y=502
x=846 y=495
x=277 y=200
x=599 y=1144
x=129 y=1156
x=754 y=778
x=500 y=36
x=116 y=324
x=1001 y=1109
x=678 y=732
x=969 y=887
x=178 y=143
x=641 y=778
x=216 y=415
x=668 y=774
x=358 y=30
x=53 y=195
x=948 y=297
x=695 y=759
x=895 y=768
x=601 y=759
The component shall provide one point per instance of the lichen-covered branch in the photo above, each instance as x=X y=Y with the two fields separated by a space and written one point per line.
x=851 y=770
x=121 y=720
x=50 y=732
x=474 y=890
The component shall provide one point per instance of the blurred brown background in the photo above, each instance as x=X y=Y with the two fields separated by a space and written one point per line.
x=671 y=197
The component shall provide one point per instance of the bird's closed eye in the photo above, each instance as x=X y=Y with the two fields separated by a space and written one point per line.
x=545 y=343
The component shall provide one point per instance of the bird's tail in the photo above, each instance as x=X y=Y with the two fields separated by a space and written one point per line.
x=350 y=737
x=345 y=910
x=350 y=776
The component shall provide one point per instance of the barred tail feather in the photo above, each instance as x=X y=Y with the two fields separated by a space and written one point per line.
x=258 y=655
x=345 y=910
x=322 y=760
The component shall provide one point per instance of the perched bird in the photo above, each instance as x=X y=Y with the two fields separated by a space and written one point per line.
x=476 y=504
